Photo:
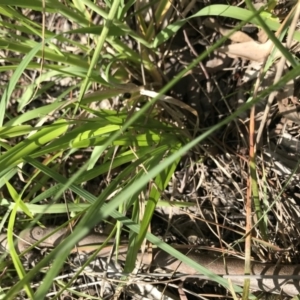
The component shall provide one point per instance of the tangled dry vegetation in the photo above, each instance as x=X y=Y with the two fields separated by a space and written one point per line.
x=213 y=177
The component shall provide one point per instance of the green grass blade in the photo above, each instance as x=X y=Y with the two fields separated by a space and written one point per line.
x=220 y=10
x=10 y=240
x=14 y=155
x=100 y=44
x=13 y=81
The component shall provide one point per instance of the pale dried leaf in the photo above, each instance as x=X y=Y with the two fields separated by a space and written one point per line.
x=237 y=37
x=249 y=50
x=262 y=36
